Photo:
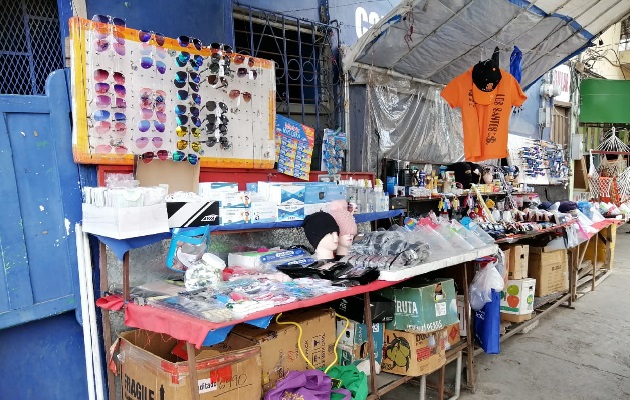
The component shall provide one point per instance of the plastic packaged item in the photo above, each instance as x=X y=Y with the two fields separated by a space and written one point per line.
x=453 y=237
x=204 y=272
x=391 y=243
x=480 y=233
x=486 y=279
x=468 y=235
x=187 y=246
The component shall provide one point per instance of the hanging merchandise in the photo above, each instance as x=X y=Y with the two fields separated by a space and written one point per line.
x=139 y=94
x=515 y=64
x=294 y=147
x=333 y=151
x=485 y=93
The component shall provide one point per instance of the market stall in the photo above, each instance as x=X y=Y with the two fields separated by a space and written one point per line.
x=207 y=304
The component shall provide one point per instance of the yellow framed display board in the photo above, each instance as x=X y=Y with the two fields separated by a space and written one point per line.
x=138 y=94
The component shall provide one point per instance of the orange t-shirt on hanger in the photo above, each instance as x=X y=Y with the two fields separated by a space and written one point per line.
x=485 y=126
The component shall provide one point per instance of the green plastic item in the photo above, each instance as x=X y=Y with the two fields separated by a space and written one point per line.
x=604 y=101
x=352 y=379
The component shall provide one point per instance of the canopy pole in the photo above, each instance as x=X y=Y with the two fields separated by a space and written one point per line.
x=394 y=74
x=346 y=116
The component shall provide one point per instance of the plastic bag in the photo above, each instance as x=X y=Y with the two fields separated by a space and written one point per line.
x=187 y=247
x=485 y=280
x=488 y=325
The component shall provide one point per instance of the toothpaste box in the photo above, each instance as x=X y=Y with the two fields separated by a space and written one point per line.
x=233 y=215
x=263 y=212
x=290 y=212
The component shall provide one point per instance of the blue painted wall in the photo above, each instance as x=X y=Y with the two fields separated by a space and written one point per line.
x=43 y=360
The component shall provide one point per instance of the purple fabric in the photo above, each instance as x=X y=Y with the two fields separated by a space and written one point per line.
x=311 y=384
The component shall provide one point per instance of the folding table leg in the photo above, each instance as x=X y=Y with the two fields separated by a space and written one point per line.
x=368 y=321
x=192 y=371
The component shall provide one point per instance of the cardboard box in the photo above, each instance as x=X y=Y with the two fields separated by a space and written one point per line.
x=179 y=176
x=413 y=354
x=516 y=318
x=353 y=345
x=550 y=269
x=210 y=189
x=313 y=208
x=426 y=308
x=381 y=308
x=463 y=324
x=192 y=213
x=452 y=335
x=290 y=212
x=263 y=212
x=233 y=199
x=318 y=336
x=123 y=223
x=277 y=350
x=232 y=216
x=287 y=194
x=518 y=264
x=149 y=369
x=518 y=297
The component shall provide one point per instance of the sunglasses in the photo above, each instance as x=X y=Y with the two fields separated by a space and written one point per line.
x=149 y=99
x=240 y=59
x=102 y=88
x=212 y=119
x=225 y=143
x=145 y=125
x=214 y=79
x=194 y=97
x=145 y=37
x=183 y=120
x=147 y=62
x=184 y=58
x=101 y=75
x=241 y=72
x=102 y=45
x=181 y=110
x=185 y=41
x=221 y=127
x=147 y=113
x=107 y=19
x=103 y=127
x=103 y=101
x=235 y=93
x=147 y=49
x=104 y=115
x=182 y=131
x=142 y=142
x=220 y=46
x=212 y=105
x=107 y=148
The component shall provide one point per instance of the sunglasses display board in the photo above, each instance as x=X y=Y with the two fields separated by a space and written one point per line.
x=139 y=94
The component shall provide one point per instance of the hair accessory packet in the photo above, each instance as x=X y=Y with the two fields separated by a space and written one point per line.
x=339 y=272
x=187 y=247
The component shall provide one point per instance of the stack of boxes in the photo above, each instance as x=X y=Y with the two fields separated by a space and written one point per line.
x=517 y=297
x=416 y=340
x=532 y=271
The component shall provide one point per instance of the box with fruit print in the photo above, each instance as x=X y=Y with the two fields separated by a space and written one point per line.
x=518 y=296
x=413 y=354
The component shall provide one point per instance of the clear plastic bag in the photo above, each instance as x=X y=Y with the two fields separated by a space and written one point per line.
x=187 y=247
x=485 y=280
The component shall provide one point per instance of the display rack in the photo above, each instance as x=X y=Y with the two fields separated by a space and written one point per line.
x=137 y=313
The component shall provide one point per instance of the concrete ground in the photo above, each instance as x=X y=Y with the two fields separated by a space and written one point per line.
x=572 y=354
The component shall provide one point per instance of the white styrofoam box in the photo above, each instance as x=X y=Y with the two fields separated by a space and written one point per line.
x=208 y=189
x=232 y=215
x=124 y=223
x=263 y=212
x=313 y=208
x=518 y=296
x=290 y=212
x=287 y=194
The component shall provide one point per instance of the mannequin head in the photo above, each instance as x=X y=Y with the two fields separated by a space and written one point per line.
x=347 y=225
x=322 y=232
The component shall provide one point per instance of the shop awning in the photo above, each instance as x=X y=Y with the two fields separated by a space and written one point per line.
x=436 y=40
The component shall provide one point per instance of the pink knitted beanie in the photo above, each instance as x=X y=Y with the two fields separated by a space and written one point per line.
x=339 y=210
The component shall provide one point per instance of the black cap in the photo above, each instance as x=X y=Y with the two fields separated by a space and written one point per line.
x=486 y=75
